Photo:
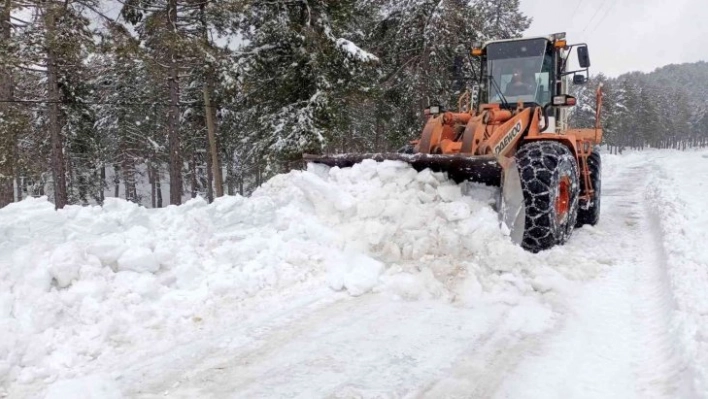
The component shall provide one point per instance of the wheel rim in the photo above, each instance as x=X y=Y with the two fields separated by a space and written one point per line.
x=563 y=199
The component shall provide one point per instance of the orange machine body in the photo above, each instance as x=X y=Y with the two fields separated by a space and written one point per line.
x=499 y=132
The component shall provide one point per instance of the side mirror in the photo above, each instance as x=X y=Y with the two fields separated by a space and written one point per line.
x=583 y=57
x=579 y=80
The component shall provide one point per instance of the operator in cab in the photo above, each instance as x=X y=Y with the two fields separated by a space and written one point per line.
x=520 y=85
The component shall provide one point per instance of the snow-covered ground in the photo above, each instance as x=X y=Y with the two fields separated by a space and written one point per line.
x=371 y=282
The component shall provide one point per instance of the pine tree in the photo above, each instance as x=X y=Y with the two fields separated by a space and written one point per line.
x=176 y=36
x=301 y=66
x=58 y=38
x=424 y=46
x=583 y=114
x=159 y=25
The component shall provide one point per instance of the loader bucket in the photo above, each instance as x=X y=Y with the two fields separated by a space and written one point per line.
x=478 y=169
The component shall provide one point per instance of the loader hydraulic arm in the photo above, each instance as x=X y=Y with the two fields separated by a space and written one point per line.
x=507 y=130
x=495 y=132
x=505 y=137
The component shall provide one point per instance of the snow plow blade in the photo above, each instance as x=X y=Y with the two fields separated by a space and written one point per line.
x=513 y=210
x=478 y=169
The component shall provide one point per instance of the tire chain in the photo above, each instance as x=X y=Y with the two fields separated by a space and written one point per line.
x=591 y=215
x=541 y=164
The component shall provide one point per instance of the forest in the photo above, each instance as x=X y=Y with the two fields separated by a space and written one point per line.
x=159 y=101
x=666 y=108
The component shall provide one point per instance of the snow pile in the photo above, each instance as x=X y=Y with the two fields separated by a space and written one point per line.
x=87 y=283
x=678 y=204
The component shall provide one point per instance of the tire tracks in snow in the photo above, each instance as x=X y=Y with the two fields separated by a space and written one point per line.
x=670 y=375
x=616 y=340
x=355 y=347
x=661 y=370
x=480 y=372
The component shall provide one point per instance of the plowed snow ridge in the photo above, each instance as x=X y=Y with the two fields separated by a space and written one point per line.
x=375 y=281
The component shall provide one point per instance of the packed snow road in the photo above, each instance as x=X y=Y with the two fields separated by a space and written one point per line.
x=374 y=282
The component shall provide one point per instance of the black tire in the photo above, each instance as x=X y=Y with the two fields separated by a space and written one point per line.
x=589 y=212
x=545 y=167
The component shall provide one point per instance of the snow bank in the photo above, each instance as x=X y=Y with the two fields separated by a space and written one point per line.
x=678 y=202
x=81 y=285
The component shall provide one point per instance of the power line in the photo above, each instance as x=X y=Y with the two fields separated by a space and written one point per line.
x=594 y=15
x=577 y=7
x=607 y=12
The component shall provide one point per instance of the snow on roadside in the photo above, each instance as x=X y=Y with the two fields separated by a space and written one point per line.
x=88 y=283
x=678 y=200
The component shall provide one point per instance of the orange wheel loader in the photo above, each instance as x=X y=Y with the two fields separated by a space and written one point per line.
x=516 y=137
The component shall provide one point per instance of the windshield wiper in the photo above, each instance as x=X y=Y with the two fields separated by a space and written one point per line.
x=499 y=92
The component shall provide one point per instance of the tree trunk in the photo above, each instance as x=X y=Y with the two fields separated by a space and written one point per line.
x=230 y=173
x=213 y=147
x=58 y=162
x=19 y=181
x=71 y=182
x=128 y=169
x=158 y=188
x=101 y=193
x=116 y=181
x=193 y=172
x=344 y=144
x=213 y=159
x=7 y=135
x=17 y=194
x=151 y=180
x=18 y=186
x=174 y=144
x=127 y=162
x=423 y=85
x=210 y=178
x=379 y=133
x=173 y=129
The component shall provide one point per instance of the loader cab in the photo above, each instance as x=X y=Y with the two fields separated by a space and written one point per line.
x=531 y=71
x=518 y=71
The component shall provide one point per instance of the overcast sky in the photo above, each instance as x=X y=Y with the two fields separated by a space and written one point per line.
x=626 y=35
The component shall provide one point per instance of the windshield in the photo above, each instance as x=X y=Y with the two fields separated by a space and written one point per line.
x=521 y=70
